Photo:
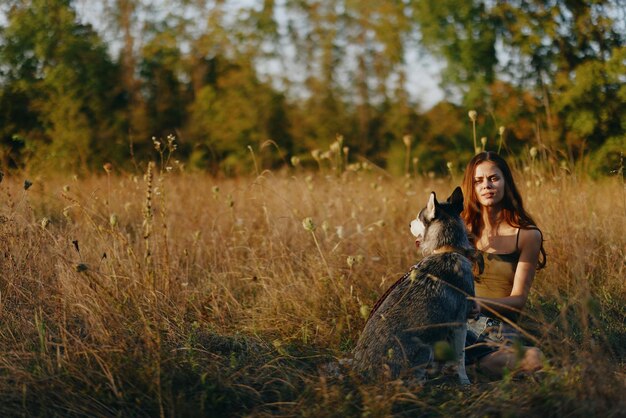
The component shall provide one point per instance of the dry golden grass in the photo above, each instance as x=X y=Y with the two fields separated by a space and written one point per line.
x=182 y=294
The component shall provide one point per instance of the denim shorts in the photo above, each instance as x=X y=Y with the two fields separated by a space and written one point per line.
x=487 y=335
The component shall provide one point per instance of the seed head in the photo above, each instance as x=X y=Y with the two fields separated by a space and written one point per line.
x=501 y=130
x=171 y=146
x=157 y=144
x=113 y=219
x=351 y=261
x=308 y=224
x=295 y=161
x=108 y=167
x=27 y=184
x=45 y=222
x=364 y=310
x=533 y=152
x=472 y=115
x=483 y=141
x=316 y=154
x=80 y=267
x=443 y=351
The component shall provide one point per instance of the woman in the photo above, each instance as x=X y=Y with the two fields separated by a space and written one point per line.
x=511 y=245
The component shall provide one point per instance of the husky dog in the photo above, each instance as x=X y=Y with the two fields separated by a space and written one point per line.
x=428 y=306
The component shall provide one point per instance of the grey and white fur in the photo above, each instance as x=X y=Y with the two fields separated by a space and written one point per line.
x=427 y=305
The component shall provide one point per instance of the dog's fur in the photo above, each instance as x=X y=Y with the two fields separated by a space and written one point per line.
x=427 y=305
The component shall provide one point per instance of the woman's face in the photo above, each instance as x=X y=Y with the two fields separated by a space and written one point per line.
x=488 y=184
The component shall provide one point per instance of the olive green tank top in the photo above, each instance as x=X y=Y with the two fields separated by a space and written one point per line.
x=496 y=280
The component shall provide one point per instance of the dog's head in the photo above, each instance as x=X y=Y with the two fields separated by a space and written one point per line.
x=444 y=214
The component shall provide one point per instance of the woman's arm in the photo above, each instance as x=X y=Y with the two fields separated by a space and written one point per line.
x=529 y=246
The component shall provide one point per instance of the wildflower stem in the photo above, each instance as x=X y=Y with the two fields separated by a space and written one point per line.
x=319 y=249
x=474 y=130
x=256 y=167
x=407 y=143
x=407 y=160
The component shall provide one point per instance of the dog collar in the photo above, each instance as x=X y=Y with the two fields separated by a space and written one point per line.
x=472 y=254
x=450 y=249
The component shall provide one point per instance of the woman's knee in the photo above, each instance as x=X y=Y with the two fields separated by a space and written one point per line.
x=506 y=359
x=495 y=363
x=533 y=359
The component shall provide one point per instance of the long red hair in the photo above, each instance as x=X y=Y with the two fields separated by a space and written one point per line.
x=513 y=211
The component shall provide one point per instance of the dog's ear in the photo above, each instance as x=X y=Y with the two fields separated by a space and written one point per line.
x=431 y=207
x=456 y=199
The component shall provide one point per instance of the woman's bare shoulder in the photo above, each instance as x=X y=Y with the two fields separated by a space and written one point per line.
x=530 y=237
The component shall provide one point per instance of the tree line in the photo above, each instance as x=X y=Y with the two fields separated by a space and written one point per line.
x=74 y=95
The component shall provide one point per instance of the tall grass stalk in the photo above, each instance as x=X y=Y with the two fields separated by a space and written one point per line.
x=407 y=144
x=473 y=115
x=310 y=227
x=501 y=131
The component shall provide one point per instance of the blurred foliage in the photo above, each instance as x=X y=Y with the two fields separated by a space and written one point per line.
x=564 y=61
x=58 y=92
x=226 y=78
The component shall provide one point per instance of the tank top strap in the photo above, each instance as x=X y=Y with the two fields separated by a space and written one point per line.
x=532 y=227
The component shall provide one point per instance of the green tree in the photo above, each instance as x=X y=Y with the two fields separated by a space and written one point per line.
x=235 y=112
x=352 y=56
x=574 y=51
x=161 y=68
x=63 y=81
x=125 y=27
x=568 y=53
x=445 y=138
x=229 y=107
x=464 y=34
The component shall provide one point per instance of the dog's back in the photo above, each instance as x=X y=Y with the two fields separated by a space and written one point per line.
x=427 y=305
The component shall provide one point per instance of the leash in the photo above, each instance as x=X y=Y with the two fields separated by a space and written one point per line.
x=393 y=286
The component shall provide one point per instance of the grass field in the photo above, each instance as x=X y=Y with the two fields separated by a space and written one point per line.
x=174 y=294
